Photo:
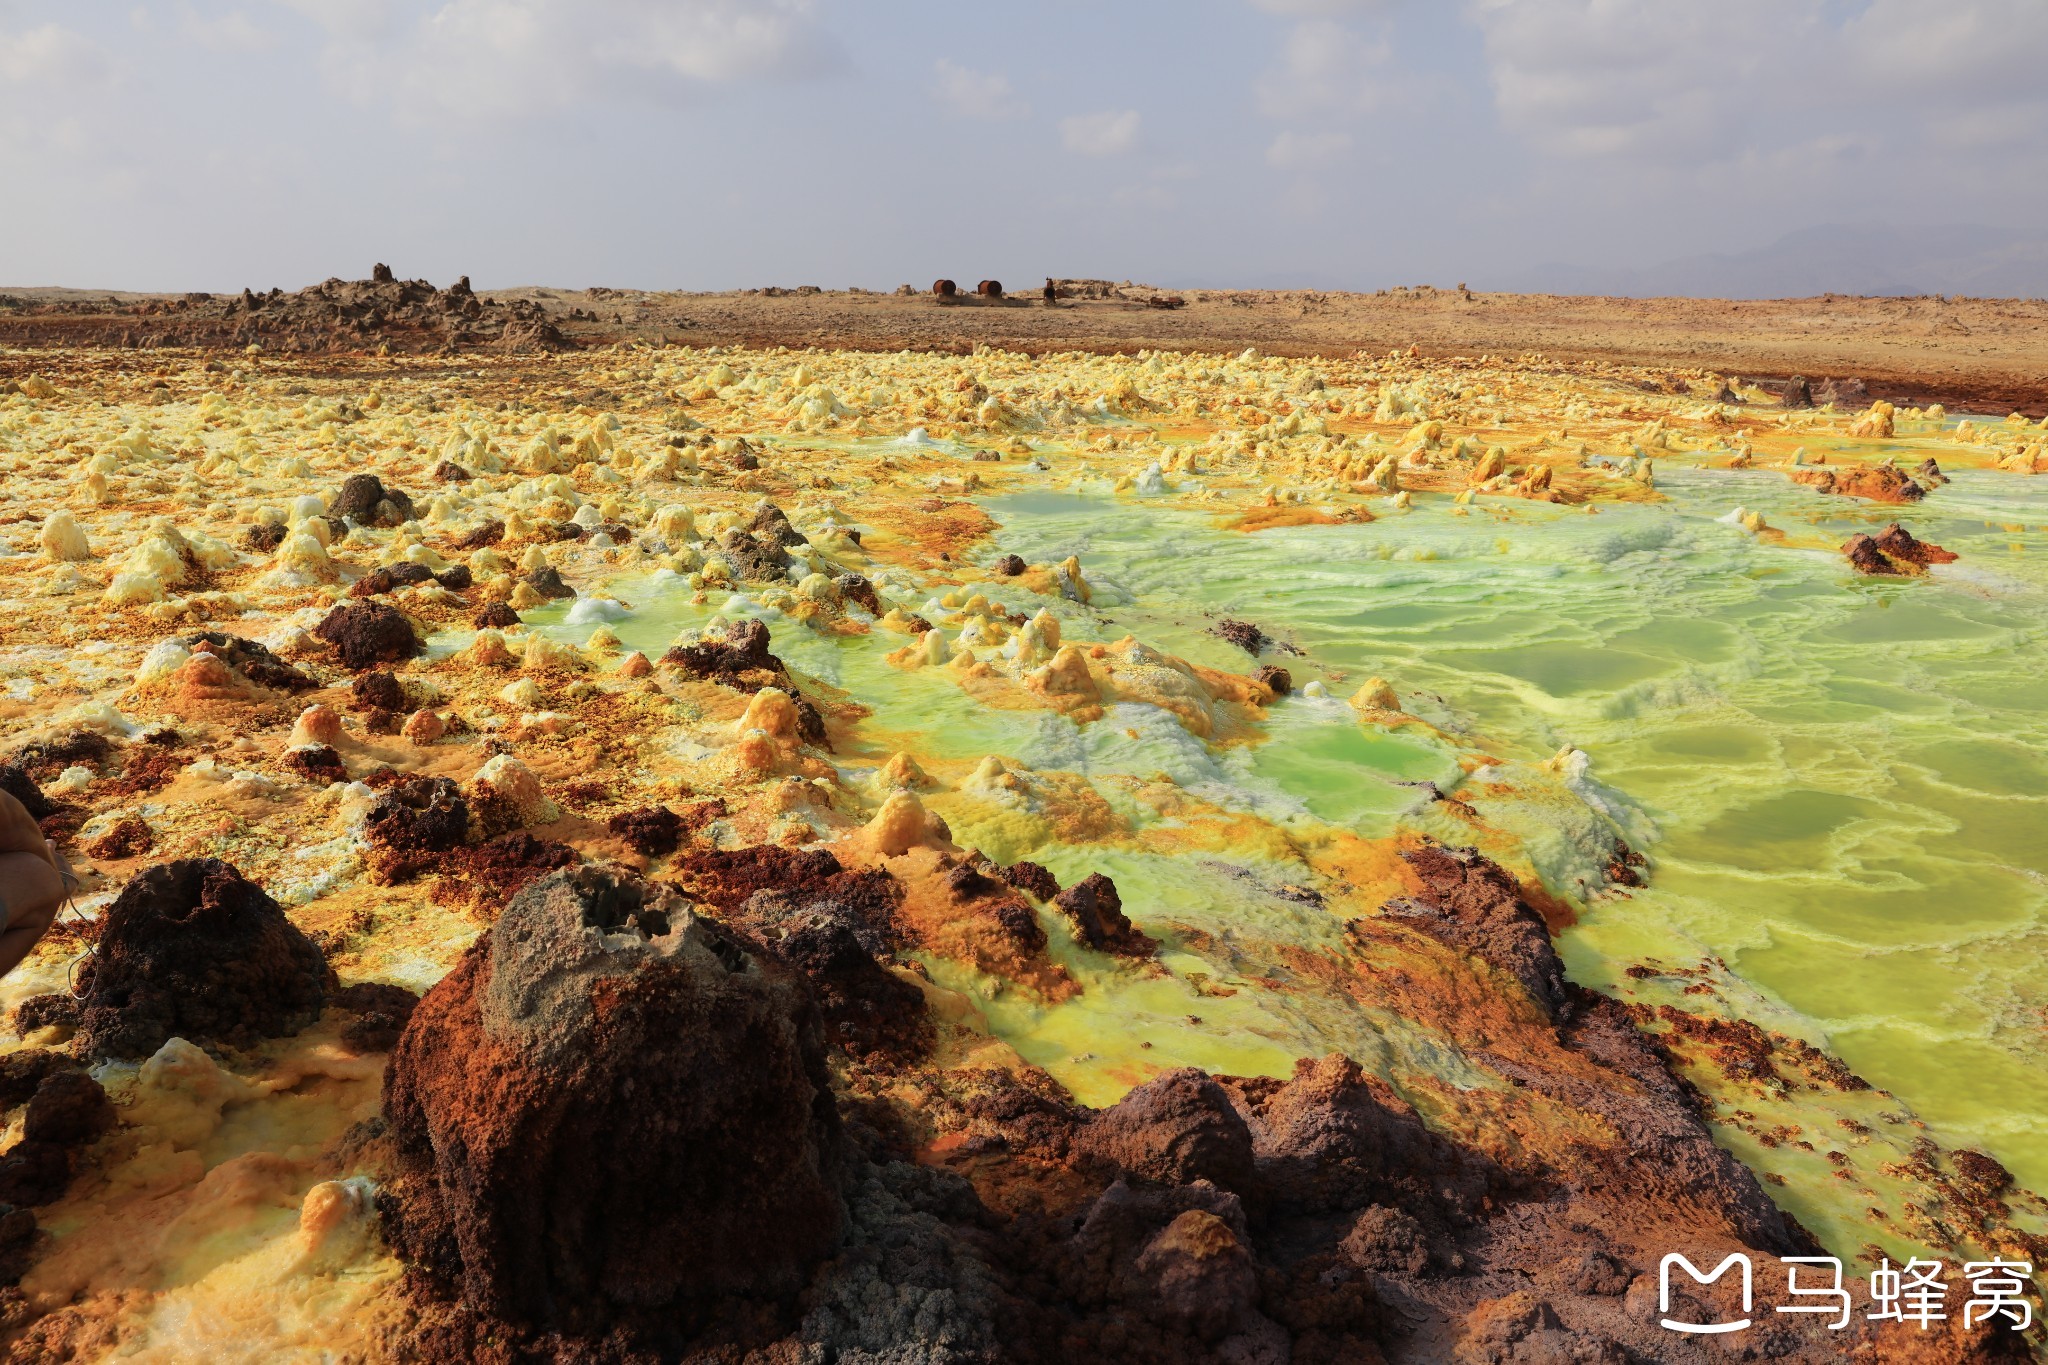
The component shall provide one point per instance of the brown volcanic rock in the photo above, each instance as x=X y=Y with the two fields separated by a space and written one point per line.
x=1894 y=551
x=1096 y=911
x=1177 y=1128
x=652 y=830
x=1470 y=903
x=381 y=1011
x=367 y=501
x=739 y=658
x=365 y=634
x=1866 y=558
x=829 y=922
x=251 y=660
x=1197 y=1274
x=414 y=822
x=1336 y=1138
x=1898 y=543
x=380 y=313
x=612 y=1111
x=16 y=782
x=755 y=556
x=69 y=1108
x=731 y=882
x=866 y=1007
x=1884 y=482
x=193 y=949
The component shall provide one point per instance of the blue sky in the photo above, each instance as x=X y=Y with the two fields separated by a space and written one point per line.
x=722 y=143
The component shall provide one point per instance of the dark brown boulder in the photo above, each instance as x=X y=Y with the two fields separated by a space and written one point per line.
x=316 y=763
x=612 y=1111
x=365 y=634
x=652 y=831
x=378 y=689
x=1898 y=544
x=866 y=1007
x=1196 y=1274
x=381 y=1011
x=367 y=501
x=1009 y=566
x=1335 y=1139
x=755 y=558
x=253 y=661
x=763 y=886
x=412 y=820
x=1096 y=911
x=496 y=616
x=33 y=1173
x=193 y=949
x=1278 y=679
x=69 y=1109
x=738 y=658
x=1032 y=878
x=1177 y=1128
x=547 y=581
x=1866 y=558
x=1795 y=393
x=477 y=537
x=128 y=837
x=21 y=1073
x=17 y=1242
x=16 y=782
x=386 y=577
x=771 y=524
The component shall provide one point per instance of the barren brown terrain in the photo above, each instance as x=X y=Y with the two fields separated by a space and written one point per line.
x=1982 y=354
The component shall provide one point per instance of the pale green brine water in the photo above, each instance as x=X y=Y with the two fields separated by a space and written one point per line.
x=1841 y=783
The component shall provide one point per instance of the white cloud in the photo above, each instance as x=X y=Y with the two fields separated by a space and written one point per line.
x=1325 y=69
x=1315 y=9
x=494 y=58
x=50 y=55
x=1293 y=150
x=1110 y=132
x=976 y=94
x=1668 y=84
x=233 y=31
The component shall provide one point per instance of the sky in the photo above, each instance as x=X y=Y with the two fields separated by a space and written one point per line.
x=711 y=144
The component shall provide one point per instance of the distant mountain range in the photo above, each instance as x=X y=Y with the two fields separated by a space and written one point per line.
x=1973 y=260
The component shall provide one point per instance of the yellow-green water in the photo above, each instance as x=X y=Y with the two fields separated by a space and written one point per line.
x=1840 y=781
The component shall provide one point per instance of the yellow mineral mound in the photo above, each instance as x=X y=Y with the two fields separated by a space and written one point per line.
x=901 y=773
x=1876 y=422
x=62 y=538
x=507 y=795
x=772 y=712
x=900 y=825
x=1375 y=695
x=1066 y=681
